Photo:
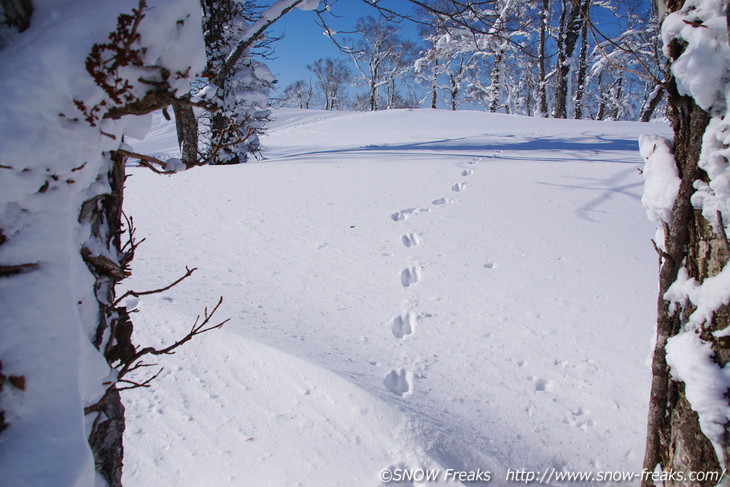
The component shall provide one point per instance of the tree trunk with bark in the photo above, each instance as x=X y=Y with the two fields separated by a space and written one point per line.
x=187 y=132
x=495 y=88
x=113 y=335
x=655 y=98
x=675 y=438
x=434 y=84
x=582 y=68
x=541 y=76
x=571 y=21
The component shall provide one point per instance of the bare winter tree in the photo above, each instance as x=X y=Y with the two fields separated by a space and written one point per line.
x=447 y=63
x=332 y=78
x=377 y=55
x=299 y=93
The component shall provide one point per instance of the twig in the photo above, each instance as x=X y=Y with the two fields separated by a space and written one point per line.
x=141 y=157
x=197 y=329
x=594 y=30
x=136 y=385
x=9 y=270
x=232 y=129
x=133 y=363
x=136 y=294
x=149 y=161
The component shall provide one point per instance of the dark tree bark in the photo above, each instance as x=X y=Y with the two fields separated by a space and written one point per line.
x=454 y=92
x=104 y=215
x=187 y=132
x=571 y=21
x=582 y=67
x=674 y=437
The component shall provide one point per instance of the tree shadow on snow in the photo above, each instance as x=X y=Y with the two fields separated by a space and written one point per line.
x=584 y=147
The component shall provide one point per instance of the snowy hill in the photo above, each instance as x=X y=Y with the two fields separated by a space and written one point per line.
x=407 y=289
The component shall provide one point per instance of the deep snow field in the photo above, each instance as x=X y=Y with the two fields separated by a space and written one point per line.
x=406 y=289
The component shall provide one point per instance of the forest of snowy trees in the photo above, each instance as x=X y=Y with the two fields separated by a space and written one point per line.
x=75 y=78
x=553 y=58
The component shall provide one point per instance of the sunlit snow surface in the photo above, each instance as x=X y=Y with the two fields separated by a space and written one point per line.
x=406 y=289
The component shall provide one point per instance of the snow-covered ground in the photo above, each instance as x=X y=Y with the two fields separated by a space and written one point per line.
x=407 y=289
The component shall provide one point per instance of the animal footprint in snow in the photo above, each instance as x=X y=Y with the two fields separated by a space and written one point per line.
x=410 y=276
x=441 y=201
x=457 y=187
x=467 y=172
x=579 y=419
x=404 y=324
x=398 y=382
x=541 y=385
x=403 y=214
x=410 y=240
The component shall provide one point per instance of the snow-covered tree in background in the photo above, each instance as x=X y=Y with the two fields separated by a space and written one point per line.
x=235 y=85
x=687 y=192
x=298 y=94
x=631 y=63
x=332 y=76
x=447 y=57
x=241 y=96
x=378 y=55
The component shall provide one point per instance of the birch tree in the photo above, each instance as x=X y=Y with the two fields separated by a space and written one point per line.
x=332 y=77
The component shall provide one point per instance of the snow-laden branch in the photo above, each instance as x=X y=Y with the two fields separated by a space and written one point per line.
x=256 y=30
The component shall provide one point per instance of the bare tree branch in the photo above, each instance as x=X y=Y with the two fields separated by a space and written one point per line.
x=136 y=294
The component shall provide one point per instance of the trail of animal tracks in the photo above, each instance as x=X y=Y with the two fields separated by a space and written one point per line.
x=407 y=289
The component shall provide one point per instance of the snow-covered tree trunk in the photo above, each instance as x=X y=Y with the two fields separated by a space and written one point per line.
x=495 y=87
x=687 y=192
x=454 y=87
x=63 y=246
x=434 y=84
x=542 y=101
x=652 y=102
x=103 y=215
x=582 y=69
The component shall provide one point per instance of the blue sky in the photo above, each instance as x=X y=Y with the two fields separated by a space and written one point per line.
x=304 y=41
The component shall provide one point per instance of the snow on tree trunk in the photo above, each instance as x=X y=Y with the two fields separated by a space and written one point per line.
x=61 y=250
x=687 y=191
x=582 y=69
x=654 y=99
x=542 y=102
x=495 y=87
x=241 y=94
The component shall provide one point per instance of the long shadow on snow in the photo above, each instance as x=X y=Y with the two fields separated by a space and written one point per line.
x=457 y=148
